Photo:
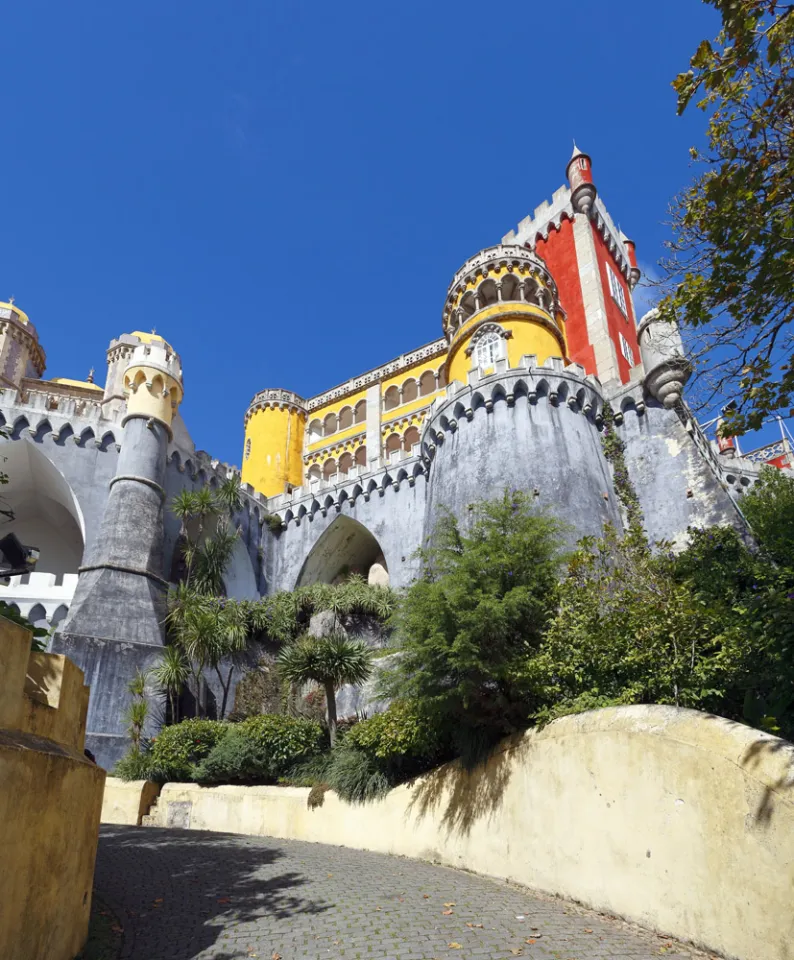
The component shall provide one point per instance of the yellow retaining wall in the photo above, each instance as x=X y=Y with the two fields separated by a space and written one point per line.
x=677 y=820
x=50 y=800
x=128 y=802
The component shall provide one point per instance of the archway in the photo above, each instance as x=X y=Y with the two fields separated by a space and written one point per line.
x=46 y=513
x=345 y=547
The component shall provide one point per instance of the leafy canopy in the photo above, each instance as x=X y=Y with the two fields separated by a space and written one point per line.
x=476 y=617
x=731 y=262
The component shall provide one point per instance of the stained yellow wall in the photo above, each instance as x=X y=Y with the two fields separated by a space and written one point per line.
x=276 y=458
x=529 y=336
x=50 y=803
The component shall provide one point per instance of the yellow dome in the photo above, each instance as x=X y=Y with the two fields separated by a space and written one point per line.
x=12 y=306
x=149 y=337
x=86 y=384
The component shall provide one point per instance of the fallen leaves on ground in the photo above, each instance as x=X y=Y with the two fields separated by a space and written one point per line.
x=450 y=904
x=224 y=899
x=455 y=946
x=276 y=956
x=477 y=926
x=447 y=913
x=517 y=951
x=587 y=930
x=426 y=896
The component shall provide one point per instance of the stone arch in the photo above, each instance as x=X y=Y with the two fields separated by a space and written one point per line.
x=360 y=413
x=410 y=390
x=345 y=418
x=391 y=398
x=239 y=579
x=329 y=468
x=392 y=444
x=347 y=546
x=361 y=456
x=330 y=424
x=315 y=430
x=46 y=512
x=427 y=383
x=410 y=439
x=345 y=463
x=315 y=472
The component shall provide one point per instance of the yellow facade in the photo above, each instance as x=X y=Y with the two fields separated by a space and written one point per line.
x=530 y=332
x=273 y=451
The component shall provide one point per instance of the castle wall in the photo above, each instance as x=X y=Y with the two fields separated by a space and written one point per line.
x=676 y=477
x=540 y=441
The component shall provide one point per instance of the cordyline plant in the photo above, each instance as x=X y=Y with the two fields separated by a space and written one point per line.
x=730 y=271
x=330 y=661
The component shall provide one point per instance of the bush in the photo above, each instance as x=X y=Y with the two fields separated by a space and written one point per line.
x=178 y=748
x=261 y=749
x=403 y=732
x=134 y=765
x=356 y=776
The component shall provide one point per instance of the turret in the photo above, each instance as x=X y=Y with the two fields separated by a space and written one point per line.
x=631 y=250
x=666 y=367
x=502 y=305
x=580 y=177
x=275 y=424
x=21 y=354
x=153 y=383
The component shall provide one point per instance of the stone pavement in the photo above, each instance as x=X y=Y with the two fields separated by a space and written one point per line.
x=189 y=895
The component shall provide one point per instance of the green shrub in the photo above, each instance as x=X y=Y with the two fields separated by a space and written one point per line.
x=403 y=731
x=176 y=749
x=284 y=740
x=356 y=776
x=261 y=749
x=134 y=765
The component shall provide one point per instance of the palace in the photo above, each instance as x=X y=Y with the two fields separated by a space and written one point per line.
x=539 y=332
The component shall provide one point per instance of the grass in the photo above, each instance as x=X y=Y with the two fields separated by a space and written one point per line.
x=104 y=934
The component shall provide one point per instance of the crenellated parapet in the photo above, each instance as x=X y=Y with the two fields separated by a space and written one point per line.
x=153 y=383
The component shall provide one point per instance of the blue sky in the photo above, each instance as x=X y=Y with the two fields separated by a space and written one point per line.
x=284 y=190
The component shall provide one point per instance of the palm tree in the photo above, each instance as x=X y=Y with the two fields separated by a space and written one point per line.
x=171 y=674
x=331 y=661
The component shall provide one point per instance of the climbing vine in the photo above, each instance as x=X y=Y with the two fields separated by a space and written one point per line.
x=614 y=448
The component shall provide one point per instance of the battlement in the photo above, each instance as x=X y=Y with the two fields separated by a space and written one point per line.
x=41 y=694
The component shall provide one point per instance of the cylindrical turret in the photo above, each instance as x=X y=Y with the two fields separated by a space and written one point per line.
x=21 y=354
x=631 y=250
x=501 y=305
x=666 y=366
x=275 y=423
x=580 y=177
x=118 y=612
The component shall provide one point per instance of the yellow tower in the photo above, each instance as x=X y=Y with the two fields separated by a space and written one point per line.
x=502 y=305
x=153 y=382
x=21 y=354
x=275 y=423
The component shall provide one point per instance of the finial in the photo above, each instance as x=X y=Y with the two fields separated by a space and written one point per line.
x=90 y=377
x=11 y=299
x=154 y=331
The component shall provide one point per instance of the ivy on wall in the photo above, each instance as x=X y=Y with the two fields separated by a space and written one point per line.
x=614 y=449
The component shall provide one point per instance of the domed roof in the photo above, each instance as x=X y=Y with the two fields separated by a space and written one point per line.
x=10 y=305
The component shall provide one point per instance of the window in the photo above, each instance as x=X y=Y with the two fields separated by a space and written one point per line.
x=487 y=350
x=626 y=350
x=582 y=163
x=247 y=448
x=616 y=289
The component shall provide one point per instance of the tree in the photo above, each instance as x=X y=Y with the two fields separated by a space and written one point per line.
x=472 y=623
x=171 y=674
x=730 y=272
x=769 y=507
x=331 y=661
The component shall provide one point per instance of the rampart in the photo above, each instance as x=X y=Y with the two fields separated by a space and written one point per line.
x=50 y=802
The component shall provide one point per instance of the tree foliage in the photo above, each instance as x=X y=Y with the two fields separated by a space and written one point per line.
x=731 y=262
x=331 y=661
x=769 y=507
x=472 y=623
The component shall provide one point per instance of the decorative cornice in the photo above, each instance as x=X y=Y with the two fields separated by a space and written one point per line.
x=276 y=399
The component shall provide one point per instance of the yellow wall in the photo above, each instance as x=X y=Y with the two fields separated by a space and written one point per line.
x=276 y=458
x=676 y=820
x=529 y=336
x=50 y=803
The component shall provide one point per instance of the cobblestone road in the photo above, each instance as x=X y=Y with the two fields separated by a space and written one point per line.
x=186 y=895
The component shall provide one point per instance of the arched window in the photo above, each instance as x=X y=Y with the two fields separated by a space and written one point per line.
x=345 y=418
x=487 y=351
x=392 y=444
x=361 y=411
x=410 y=439
x=410 y=391
x=315 y=430
x=361 y=457
x=329 y=468
x=391 y=398
x=329 y=425
x=427 y=383
x=442 y=377
x=345 y=463
x=315 y=472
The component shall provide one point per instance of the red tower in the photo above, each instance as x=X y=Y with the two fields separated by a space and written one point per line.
x=580 y=176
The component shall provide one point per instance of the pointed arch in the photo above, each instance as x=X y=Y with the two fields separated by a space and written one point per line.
x=347 y=546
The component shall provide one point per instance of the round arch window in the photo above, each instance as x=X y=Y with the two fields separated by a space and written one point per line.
x=487 y=351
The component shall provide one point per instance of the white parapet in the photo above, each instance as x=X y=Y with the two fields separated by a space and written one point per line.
x=47 y=589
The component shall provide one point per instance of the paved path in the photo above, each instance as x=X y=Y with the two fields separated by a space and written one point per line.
x=188 y=895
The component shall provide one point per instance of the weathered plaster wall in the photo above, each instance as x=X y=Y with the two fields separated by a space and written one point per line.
x=50 y=803
x=680 y=821
x=676 y=485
